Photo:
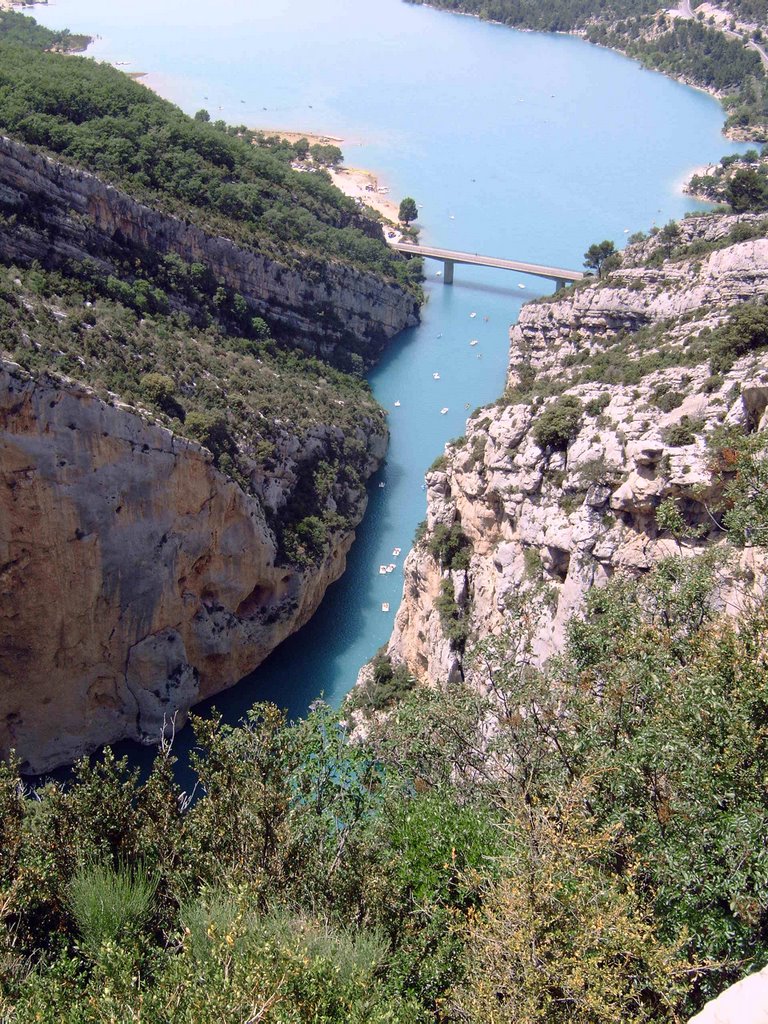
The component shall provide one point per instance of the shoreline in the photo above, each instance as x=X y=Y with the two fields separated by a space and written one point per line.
x=733 y=134
x=358 y=183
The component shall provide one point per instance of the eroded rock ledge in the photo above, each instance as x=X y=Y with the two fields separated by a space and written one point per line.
x=544 y=524
x=135 y=578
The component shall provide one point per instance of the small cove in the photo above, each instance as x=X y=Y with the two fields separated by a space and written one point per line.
x=514 y=144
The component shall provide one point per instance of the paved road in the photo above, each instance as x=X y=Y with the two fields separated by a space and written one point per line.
x=537 y=270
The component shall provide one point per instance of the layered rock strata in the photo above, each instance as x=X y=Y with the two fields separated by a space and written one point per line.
x=54 y=213
x=544 y=525
x=135 y=578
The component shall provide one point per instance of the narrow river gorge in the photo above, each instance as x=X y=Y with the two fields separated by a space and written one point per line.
x=517 y=145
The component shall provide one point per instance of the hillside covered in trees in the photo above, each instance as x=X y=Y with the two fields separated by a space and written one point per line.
x=95 y=117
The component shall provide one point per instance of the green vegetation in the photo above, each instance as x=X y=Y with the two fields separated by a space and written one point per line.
x=227 y=180
x=454 y=619
x=450 y=546
x=558 y=867
x=17 y=29
x=206 y=382
x=598 y=255
x=746 y=330
x=388 y=684
x=559 y=423
x=408 y=210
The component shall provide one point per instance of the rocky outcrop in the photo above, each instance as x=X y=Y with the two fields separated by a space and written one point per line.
x=548 y=521
x=135 y=578
x=56 y=213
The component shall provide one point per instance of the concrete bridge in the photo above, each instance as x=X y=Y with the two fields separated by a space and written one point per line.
x=449 y=258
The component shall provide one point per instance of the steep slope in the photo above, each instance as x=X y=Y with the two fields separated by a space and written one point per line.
x=183 y=452
x=135 y=577
x=609 y=450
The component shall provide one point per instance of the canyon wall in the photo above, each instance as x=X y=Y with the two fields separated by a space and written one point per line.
x=546 y=522
x=54 y=212
x=135 y=578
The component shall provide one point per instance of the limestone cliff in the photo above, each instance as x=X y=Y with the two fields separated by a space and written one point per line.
x=54 y=213
x=610 y=405
x=135 y=578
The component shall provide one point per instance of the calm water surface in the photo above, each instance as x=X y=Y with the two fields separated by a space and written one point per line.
x=514 y=144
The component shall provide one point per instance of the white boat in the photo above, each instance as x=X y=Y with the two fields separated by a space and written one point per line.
x=439 y=273
x=382 y=484
x=473 y=342
x=444 y=410
x=436 y=376
x=397 y=404
x=391 y=567
x=521 y=286
x=382 y=570
x=396 y=551
x=472 y=316
x=385 y=606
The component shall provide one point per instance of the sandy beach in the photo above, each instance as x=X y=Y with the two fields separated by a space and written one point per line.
x=355 y=182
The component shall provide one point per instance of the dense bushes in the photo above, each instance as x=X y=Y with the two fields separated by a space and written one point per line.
x=556 y=853
x=450 y=546
x=745 y=331
x=559 y=423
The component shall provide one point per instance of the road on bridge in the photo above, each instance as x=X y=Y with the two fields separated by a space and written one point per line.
x=448 y=256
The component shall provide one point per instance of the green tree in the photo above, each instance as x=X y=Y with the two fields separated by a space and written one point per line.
x=597 y=254
x=747 y=190
x=408 y=210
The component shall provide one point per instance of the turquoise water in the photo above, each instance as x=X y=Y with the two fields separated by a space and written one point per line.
x=514 y=144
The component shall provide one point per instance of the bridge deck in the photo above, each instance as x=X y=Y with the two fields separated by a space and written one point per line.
x=535 y=269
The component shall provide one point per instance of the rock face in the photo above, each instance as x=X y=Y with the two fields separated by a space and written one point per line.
x=547 y=522
x=746 y=1002
x=135 y=578
x=57 y=213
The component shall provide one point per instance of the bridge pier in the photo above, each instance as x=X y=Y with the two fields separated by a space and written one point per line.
x=448 y=266
x=559 y=283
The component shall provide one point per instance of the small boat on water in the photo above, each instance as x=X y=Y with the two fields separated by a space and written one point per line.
x=391 y=567
x=385 y=606
x=382 y=484
x=444 y=410
x=521 y=286
x=435 y=376
x=439 y=273
x=397 y=404
x=382 y=570
x=396 y=552
x=473 y=342
x=472 y=316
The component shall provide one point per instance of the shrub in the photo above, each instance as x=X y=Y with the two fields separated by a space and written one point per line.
x=745 y=331
x=452 y=619
x=559 y=423
x=666 y=400
x=450 y=546
x=108 y=905
x=595 y=406
x=678 y=435
x=389 y=684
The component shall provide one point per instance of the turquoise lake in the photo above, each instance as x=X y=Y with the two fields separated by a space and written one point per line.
x=520 y=145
